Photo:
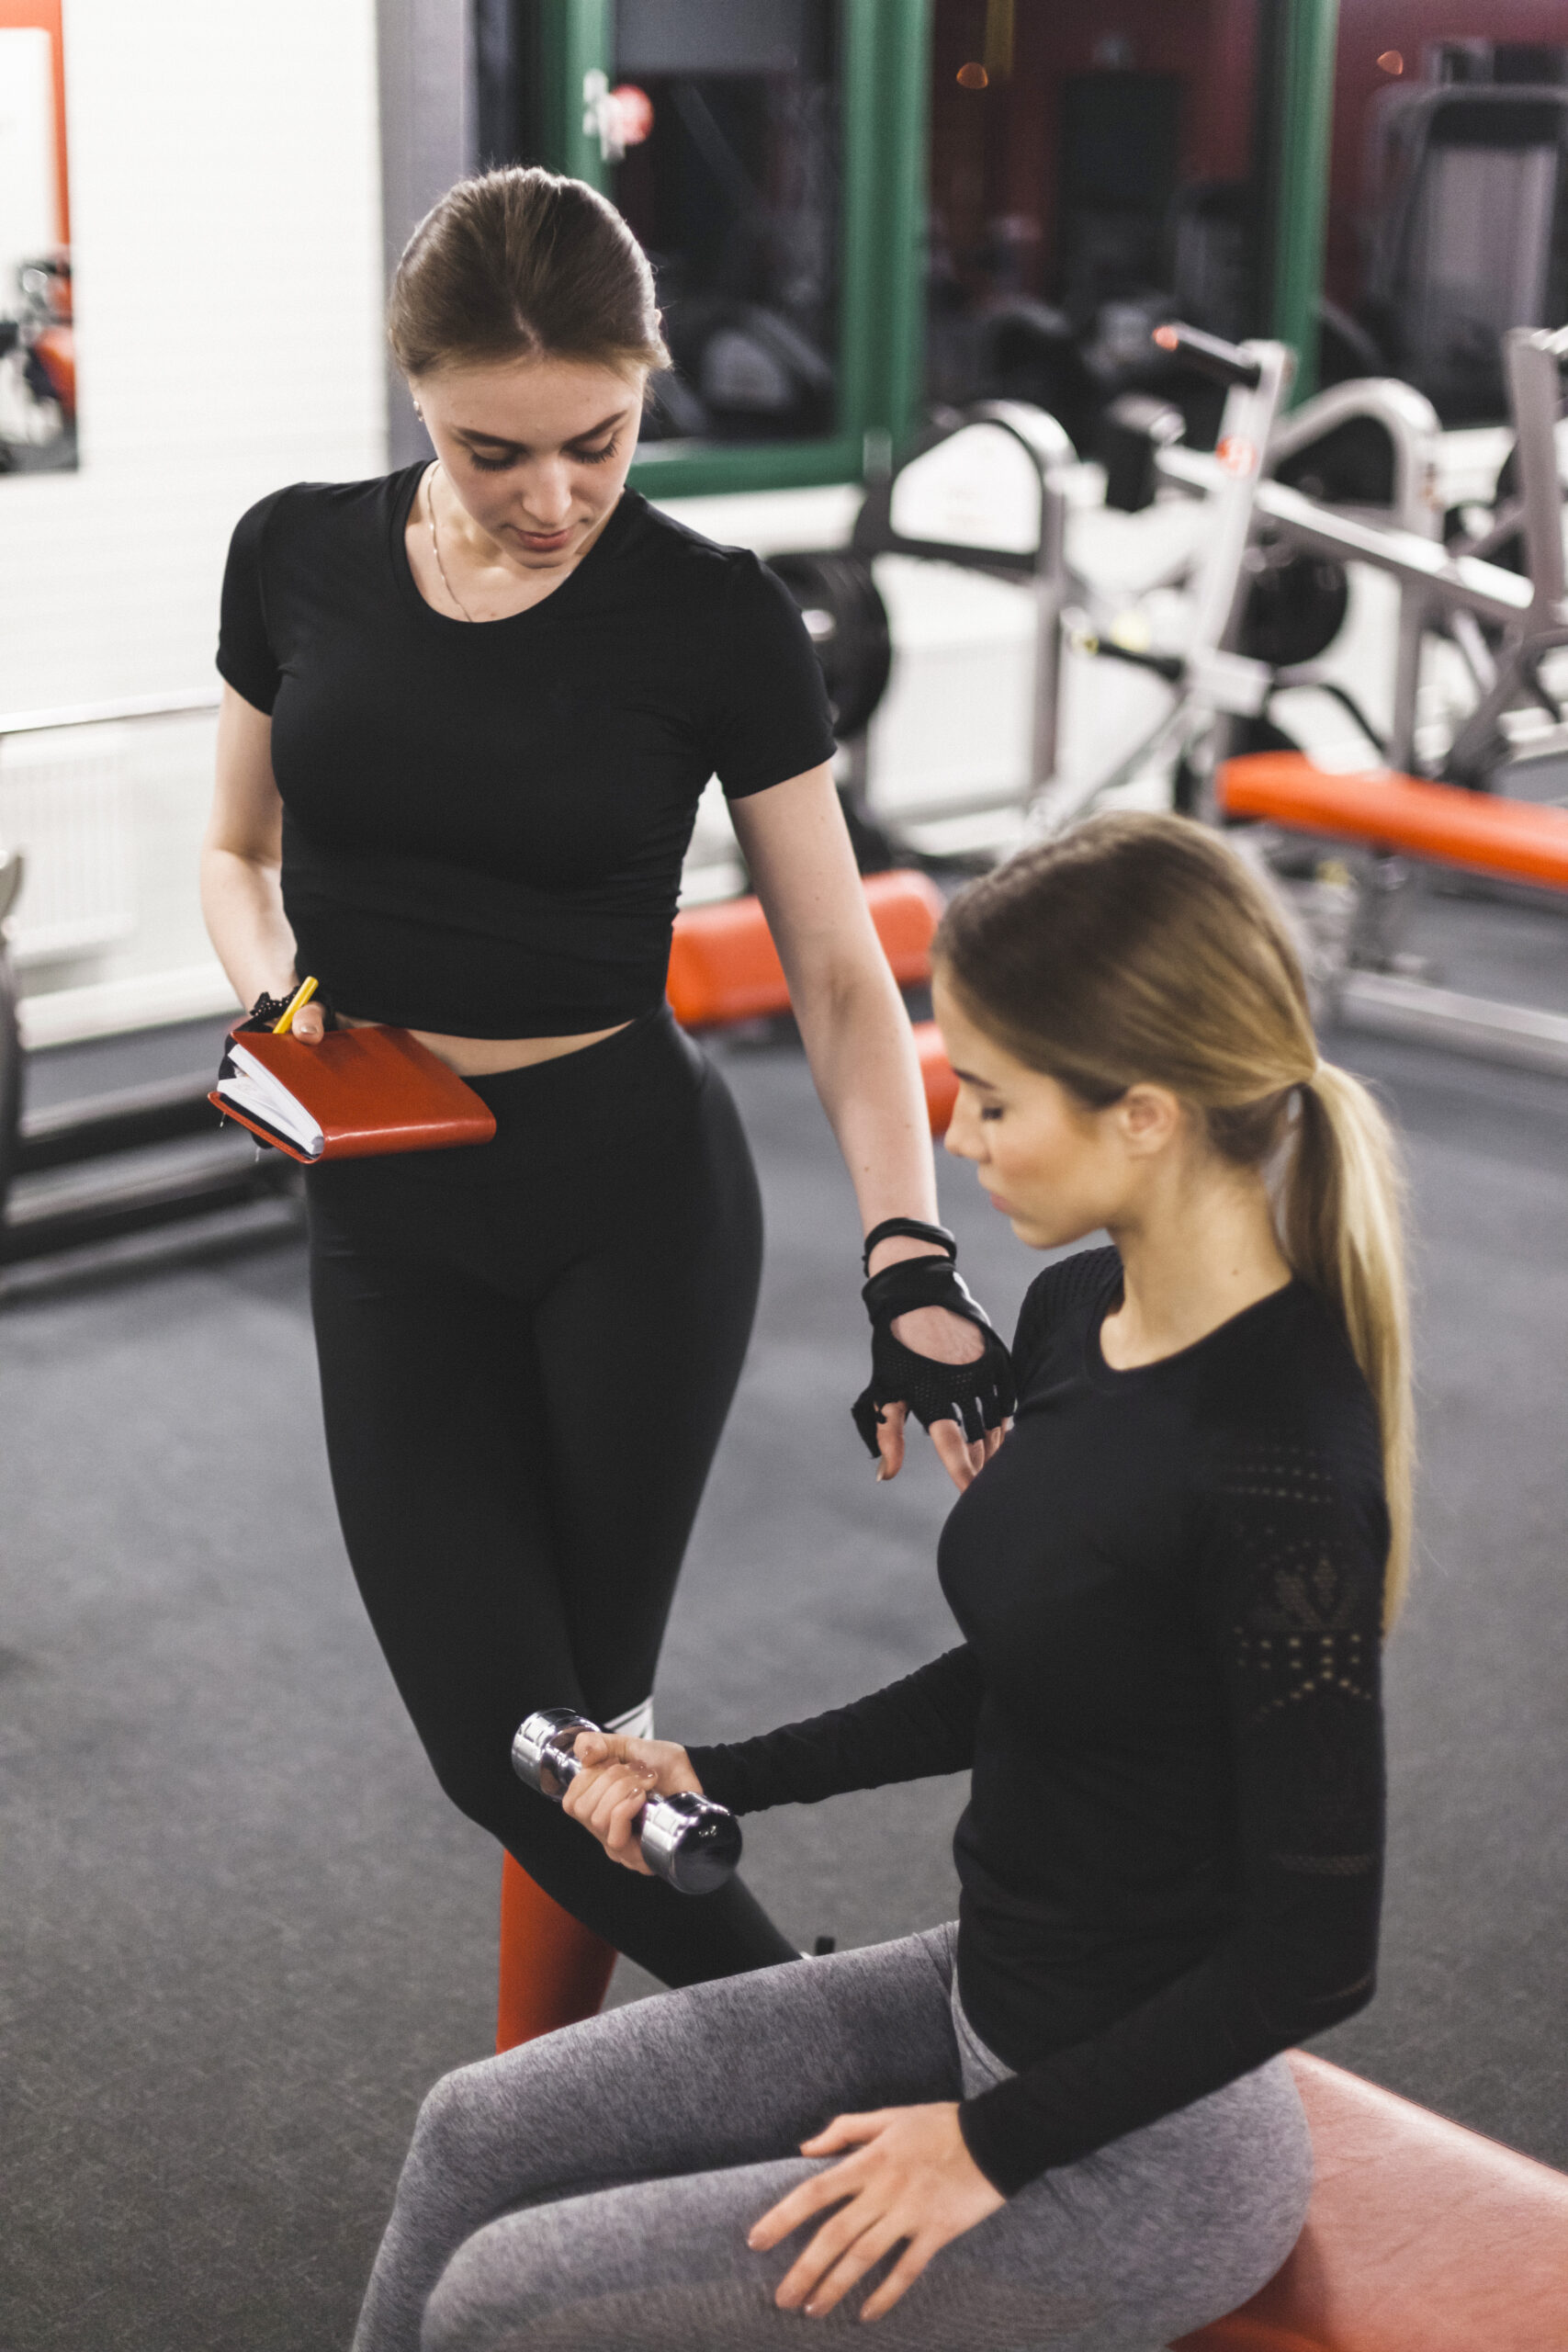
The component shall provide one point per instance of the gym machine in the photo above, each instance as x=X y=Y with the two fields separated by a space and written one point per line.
x=920 y=509
x=1263 y=609
x=1458 y=821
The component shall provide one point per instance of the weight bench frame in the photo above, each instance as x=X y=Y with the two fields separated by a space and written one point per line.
x=1441 y=825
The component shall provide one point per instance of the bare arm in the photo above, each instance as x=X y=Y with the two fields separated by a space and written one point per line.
x=862 y=1053
x=242 y=855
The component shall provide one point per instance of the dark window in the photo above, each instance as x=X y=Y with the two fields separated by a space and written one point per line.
x=734 y=191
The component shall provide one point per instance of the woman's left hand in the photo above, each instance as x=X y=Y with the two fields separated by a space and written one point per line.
x=912 y=2178
x=950 y=1339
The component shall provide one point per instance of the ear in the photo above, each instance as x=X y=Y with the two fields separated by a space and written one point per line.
x=1148 y=1119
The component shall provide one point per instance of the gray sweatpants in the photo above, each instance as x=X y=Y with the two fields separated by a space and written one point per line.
x=592 y=2191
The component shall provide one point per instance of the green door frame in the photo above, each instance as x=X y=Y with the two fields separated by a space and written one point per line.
x=886 y=54
x=1298 y=120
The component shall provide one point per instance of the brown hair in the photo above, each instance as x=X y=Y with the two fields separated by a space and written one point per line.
x=522 y=264
x=1142 y=948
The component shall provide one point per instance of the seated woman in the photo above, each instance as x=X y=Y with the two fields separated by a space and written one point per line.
x=1066 y=2121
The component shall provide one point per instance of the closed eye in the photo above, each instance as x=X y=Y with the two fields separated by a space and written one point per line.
x=577 y=456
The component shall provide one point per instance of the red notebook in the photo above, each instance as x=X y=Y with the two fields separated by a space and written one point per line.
x=358 y=1093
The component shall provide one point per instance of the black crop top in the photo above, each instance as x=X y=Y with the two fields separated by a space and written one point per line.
x=484 y=823
x=1169 y=1583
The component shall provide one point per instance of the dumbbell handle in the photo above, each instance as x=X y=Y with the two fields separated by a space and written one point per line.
x=685 y=1839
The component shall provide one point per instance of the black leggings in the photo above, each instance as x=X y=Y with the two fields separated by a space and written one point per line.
x=527 y=1352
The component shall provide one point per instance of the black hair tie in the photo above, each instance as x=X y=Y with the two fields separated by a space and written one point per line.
x=907 y=1229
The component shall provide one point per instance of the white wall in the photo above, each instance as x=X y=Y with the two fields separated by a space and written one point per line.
x=225 y=196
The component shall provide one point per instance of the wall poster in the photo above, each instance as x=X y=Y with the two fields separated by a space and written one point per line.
x=38 y=357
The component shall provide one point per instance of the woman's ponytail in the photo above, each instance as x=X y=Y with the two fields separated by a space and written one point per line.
x=1340 y=1224
x=1142 y=947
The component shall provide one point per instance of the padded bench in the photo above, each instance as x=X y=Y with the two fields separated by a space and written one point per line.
x=1479 y=833
x=1420 y=2238
x=724 y=967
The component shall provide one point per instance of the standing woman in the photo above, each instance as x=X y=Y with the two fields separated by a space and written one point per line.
x=470 y=708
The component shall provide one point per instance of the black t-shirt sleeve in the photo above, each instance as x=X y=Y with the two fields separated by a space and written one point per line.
x=913 y=1730
x=1292 y=1543
x=770 y=716
x=246 y=658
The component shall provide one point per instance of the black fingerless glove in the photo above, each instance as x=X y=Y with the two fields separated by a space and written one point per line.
x=978 y=1396
x=269 y=1010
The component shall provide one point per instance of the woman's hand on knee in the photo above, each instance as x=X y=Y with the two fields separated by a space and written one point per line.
x=618 y=1776
x=909 y=2180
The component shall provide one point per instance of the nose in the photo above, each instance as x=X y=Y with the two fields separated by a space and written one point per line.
x=958 y=1140
x=547 y=495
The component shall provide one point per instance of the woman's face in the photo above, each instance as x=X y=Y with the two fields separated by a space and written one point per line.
x=536 y=450
x=1054 y=1168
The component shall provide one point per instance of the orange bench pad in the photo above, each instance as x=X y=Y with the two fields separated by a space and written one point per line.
x=1480 y=832
x=724 y=967
x=1420 y=2238
x=937 y=1074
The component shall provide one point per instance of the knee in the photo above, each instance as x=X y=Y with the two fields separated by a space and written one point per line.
x=481 y=1785
x=444 y=2131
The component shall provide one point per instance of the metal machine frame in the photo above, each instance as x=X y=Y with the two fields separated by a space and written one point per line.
x=1043 y=569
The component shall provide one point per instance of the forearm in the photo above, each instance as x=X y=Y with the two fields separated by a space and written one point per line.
x=862 y=1053
x=912 y=1730
x=242 y=902
x=1261 y=1993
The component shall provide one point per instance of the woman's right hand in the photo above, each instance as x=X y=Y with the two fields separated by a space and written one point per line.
x=618 y=1776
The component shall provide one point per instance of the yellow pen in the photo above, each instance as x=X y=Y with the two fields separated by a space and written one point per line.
x=301 y=997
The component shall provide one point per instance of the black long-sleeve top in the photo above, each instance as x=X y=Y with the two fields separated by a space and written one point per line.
x=1170 y=1584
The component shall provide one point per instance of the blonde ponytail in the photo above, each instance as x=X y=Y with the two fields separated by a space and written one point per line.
x=1341 y=1230
x=1143 y=948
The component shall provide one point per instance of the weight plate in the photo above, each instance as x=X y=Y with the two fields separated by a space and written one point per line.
x=1295 y=608
x=847 y=622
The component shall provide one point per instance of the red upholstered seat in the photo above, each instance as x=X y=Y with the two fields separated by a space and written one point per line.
x=1480 y=832
x=724 y=966
x=937 y=1074
x=1421 y=2237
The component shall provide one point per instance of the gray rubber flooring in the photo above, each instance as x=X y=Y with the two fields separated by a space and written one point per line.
x=240 y=1930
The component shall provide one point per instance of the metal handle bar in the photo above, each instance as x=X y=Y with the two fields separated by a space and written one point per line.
x=1463 y=581
x=1227 y=362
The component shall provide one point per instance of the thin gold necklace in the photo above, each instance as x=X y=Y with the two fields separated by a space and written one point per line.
x=436 y=543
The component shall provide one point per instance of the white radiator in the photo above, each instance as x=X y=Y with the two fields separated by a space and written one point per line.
x=65 y=805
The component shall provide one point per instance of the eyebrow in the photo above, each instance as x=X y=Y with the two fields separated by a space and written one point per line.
x=471 y=433
x=970 y=1079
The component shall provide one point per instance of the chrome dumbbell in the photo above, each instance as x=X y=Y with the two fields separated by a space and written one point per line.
x=686 y=1839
